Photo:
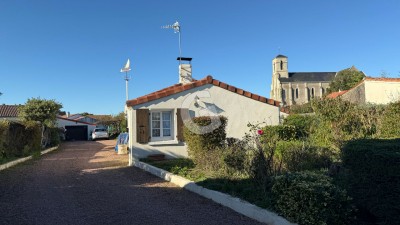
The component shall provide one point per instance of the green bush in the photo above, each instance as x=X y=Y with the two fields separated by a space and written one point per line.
x=234 y=157
x=295 y=156
x=301 y=123
x=4 y=127
x=273 y=134
x=390 y=127
x=372 y=177
x=17 y=140
x=54 y=136
x=205 y=140
x=309 y=198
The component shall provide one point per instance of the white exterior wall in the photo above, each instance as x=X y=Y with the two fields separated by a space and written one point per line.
x=63 y=123
x=381 y=92
x=239 y=110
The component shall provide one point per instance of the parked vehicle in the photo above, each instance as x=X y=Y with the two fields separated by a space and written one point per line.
x=99 y=133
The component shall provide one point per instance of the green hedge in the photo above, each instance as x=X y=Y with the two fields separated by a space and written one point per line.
x=309 y=198
x=390 y=126
x=204 y=139
x=17 y=140
x=301 y=123
x=296 y=155
x=373 y=177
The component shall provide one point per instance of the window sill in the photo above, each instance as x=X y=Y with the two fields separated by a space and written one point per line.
x=169 y=142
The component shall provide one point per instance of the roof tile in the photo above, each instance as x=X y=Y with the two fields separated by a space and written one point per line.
x=223 y=85
x=247 y=94
x=177 y=88
x=9 y=110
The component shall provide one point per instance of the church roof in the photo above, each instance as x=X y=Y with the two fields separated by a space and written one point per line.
x=281 y=56
x=309 y=77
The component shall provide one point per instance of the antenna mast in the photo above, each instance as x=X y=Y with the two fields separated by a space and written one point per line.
x=126 y=69
x=177 y=29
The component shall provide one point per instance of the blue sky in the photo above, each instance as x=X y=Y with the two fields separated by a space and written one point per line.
x=72 y=51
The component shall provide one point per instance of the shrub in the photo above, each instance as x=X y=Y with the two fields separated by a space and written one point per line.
x=391 y=121
x=4 y=127
x=234 y=157
x=273 y=134
x=309 y=198
x=301 y=123
x=372 y=176
x=299 y=155
x=303 y=108
x=205 y=146
x=18 y=140
x=54 y=136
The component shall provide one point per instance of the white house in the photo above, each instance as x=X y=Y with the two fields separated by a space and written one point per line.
x=155 y=120
x=372 y=90
x=75 y=130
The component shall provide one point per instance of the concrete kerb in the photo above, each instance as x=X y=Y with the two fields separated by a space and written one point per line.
x=236 y=204
x=18 y=161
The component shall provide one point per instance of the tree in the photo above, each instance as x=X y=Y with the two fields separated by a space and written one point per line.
x=42 y=111
x=346 y=79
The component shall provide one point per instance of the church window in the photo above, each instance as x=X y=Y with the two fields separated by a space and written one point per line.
x=322 y=91
x=312 y=93
x=297 y=93
x=283 y=95
x=281 y=65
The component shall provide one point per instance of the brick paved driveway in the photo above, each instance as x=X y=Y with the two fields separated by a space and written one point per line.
x=87 y=183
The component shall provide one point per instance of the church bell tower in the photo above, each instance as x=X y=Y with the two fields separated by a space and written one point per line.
x=279 y=70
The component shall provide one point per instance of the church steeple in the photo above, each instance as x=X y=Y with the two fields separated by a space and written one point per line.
x=279 y=70
x=280 y=66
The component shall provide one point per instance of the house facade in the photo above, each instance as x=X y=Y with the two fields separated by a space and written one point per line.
x=296 y=88
x=74 y=129
x=156 y=120
x=372 y=91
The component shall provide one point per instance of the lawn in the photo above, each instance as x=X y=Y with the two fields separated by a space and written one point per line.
x=242 y=188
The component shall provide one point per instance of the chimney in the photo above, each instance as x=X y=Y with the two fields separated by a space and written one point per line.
x=185 y=70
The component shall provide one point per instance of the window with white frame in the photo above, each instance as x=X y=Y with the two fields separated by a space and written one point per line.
x=161 y=125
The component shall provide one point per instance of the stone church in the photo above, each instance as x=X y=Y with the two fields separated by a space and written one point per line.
x=296 y=88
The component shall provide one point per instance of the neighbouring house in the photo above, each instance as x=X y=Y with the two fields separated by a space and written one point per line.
x=9 y=112
x=156 y=120
x=296 y=88
x=75 y=129
x=101 y=121
x=372 y=90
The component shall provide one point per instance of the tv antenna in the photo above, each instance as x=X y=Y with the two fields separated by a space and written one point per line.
x=126 y=69
x=177 y=29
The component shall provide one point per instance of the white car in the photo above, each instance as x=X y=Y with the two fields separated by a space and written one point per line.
x=99 y=133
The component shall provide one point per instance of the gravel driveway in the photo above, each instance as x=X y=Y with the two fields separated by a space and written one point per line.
x=87 y=183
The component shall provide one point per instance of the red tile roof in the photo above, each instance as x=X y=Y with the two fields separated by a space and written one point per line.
x=336 y=94
x=383 y=79
x=9 y=110
x=177 y=88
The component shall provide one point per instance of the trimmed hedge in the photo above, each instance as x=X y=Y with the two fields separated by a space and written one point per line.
x=309 y=198
x=373 y=177
x=17 y=140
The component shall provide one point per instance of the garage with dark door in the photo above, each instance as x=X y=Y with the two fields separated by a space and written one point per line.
x=75 y=130
x=76 y=133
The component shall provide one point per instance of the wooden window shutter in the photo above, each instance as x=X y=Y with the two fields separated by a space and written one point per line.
x=142 y=126
x=179 y=121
